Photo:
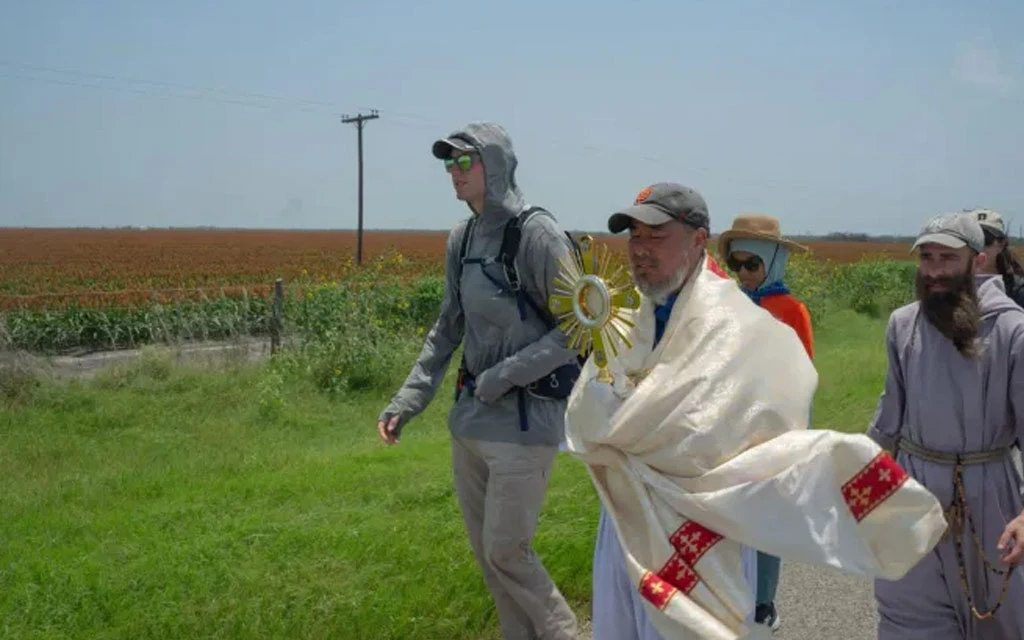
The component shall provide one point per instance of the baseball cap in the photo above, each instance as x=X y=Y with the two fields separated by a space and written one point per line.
x=662 y=202
x=953 y=230
x=443 y=148
x=990 y=219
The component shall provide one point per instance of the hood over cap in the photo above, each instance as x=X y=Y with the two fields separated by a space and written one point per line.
x=992 y=297
x=506 y=346
x=503 y=198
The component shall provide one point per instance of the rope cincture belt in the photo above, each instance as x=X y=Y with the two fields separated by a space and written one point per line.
x=941 y=457
x=958 y=512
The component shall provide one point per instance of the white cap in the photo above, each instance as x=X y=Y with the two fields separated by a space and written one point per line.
x=990 y=219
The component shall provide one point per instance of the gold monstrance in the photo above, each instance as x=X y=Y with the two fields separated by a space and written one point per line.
x=588 y=303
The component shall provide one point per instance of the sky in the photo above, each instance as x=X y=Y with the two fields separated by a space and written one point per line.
x=865 y=117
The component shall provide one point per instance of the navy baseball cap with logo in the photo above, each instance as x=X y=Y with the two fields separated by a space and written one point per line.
x=663 y=202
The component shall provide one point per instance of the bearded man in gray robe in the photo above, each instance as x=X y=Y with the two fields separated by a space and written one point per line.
x=953 y=410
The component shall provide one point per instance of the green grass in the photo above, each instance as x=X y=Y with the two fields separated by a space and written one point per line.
x=150 y=504
x=851 y=364
x=157 y=502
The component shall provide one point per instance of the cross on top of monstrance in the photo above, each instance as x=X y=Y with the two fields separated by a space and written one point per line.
x=589 y=297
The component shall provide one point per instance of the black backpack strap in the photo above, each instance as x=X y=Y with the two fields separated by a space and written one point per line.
x=510 y=246
x=508 y=258
x=509 y=251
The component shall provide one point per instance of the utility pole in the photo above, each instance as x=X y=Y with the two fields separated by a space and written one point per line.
x=360 y=121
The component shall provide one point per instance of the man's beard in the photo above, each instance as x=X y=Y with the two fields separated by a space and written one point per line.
x=659 y=292
x=955 y=313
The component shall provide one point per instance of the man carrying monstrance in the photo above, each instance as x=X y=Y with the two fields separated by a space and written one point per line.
x=691 y=415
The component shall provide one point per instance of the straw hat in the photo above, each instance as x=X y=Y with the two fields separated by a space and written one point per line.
x=755 y=227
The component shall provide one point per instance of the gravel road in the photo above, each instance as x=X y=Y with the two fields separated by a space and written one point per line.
x=818 y=602
x=821 y=602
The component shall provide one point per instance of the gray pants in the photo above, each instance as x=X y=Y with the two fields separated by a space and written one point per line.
x=501 y=488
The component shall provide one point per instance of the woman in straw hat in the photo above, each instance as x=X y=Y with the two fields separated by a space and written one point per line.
x=756 y=251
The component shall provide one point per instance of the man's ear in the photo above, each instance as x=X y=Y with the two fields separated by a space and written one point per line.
x=980 y=260
x=700 y=237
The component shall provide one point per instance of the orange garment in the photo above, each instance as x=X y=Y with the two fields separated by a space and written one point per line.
x=791 y=311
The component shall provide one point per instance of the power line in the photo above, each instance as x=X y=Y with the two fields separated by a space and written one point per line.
x=244 y=98
x=172 y=85
x=409 y=120
x=144 y=92
x=360 y=121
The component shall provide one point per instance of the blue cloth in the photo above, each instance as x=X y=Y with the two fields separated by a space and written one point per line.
x=662 y=312
x=766 y=290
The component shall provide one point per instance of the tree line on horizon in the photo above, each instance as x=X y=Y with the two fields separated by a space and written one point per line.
x=833 y=236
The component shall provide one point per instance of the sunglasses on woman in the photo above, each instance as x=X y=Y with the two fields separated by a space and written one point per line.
x=753 y=263
x=464 y=162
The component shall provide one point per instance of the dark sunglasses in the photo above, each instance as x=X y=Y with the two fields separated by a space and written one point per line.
x=753 y=263
x=464 y=162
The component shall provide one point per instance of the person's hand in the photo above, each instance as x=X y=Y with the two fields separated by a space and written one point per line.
x=389 y=430
x=1012 y=541
x=604 y=393
x=489 y=386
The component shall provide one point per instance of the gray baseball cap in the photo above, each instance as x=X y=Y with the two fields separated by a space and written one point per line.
x=661 y=203
x=953 y=230
x=443 y=148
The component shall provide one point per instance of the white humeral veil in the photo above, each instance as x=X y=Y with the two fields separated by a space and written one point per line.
x=710 y=451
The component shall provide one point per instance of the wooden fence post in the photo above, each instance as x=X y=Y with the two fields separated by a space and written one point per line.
x=277 y=321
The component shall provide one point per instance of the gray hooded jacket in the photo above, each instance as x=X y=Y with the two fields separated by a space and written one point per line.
x=939 y=400
x=501 y=350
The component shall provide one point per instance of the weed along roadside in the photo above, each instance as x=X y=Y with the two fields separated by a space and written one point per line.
x=383 y=296
x=165 y=497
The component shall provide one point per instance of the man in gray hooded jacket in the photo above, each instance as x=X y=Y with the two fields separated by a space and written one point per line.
x=504 y=437
x=953 y=410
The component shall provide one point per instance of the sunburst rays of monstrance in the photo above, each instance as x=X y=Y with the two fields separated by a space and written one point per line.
x=589 y=299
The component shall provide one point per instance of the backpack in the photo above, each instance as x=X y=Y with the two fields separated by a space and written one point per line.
x=559 y=383
x=508 y=259
x=1014 y=285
